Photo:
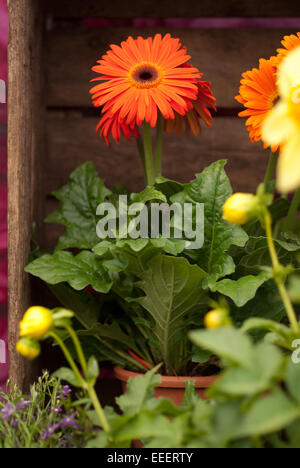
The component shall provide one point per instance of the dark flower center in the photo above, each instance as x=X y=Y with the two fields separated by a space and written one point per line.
x=145 y=74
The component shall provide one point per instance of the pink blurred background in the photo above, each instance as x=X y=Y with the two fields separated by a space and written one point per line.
x=3 y=191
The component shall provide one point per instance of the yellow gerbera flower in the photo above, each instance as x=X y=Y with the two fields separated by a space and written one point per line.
x=282 y=125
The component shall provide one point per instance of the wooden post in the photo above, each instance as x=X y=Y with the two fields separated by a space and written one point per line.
x=24 y=152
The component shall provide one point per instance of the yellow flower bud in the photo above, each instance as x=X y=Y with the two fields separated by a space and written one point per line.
x=214 y=319
x=28 y=348
x=240 y=208
x=36 y=322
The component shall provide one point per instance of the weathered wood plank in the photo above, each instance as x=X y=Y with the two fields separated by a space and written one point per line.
x=72 y=141
x=171 y=8
x=24 y=135
x=221 y=54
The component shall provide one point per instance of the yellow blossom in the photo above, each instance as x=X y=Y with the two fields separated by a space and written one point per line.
x=240 y=208
x=282 y=125
x=36 y=322
x=28 y=348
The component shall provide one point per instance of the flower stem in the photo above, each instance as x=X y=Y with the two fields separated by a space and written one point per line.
x=293 y=210
x=271 y=168
x=85 y=385
x=140 y=146
x=78 y=348
x=148 y=154
x=69 y=358
x=158 y=148
x=279 y=280
x=98 y=408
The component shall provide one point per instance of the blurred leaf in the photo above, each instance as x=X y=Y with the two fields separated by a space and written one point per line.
x=227 y=343
x=139 y=390
x=93 y=369
x=66 y=374
x=269 y=414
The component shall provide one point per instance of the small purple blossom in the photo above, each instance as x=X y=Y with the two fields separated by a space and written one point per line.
x=23 y=404
x=48 y=433
x=8 y=411
x=65 y=391
x=68 y=421
x=57 y=410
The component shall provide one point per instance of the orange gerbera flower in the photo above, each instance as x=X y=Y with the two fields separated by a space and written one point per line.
x=289 y=43
x=142 y=77
x=258 y=93
x=115 y=126
x=197 y=110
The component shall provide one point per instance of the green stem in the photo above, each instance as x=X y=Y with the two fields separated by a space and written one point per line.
x=86 y=386
x=148 y=154
x=79 y=350
x=158 y=148
x=69 y=358
x=98 y=408
x=271 y=168
x=293 y=210
x=140 y=146
x=279 y=281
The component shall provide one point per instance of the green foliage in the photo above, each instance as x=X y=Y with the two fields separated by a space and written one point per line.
x=251 y=407
x=79 y=271
x=45 y=418
x=173 y=294
x=152 y=291
x=78 y=204
x=212 y=187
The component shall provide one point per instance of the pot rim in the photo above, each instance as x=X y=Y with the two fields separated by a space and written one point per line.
x=167 y=381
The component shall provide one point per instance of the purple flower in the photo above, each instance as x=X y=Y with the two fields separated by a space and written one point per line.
x=7 y=412
x=48 y=433
x=68 y=421
x=23 y=404
x=56 y=410
x=65 y=391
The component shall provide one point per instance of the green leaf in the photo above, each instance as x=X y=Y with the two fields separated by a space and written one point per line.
x=66 y=374
x=212 y=187
x=143 y=426
x=173 y=292
x=294 y=289
x=79 y=271
x=139 y=391
x=79 y=200
x=266 y=363
x=85 y=306
x=242 y=290
x=112 y=332
x=258 y=253
x=265 y=324
x=267 y=304
x=167 y=186
x=269 y=414
x=92 y=369
x=148 y=194
x=228 y=343
x=293 y=380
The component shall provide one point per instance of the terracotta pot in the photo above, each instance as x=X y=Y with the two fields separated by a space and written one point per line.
x=170 y=387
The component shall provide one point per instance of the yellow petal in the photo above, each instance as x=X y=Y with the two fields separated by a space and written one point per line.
x=289 y=73
x=278 y=126
x=288 y=177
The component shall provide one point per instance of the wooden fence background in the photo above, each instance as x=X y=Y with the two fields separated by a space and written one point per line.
x=54 y=44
